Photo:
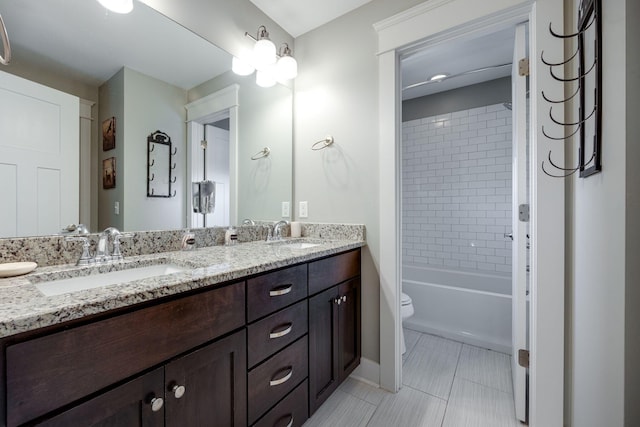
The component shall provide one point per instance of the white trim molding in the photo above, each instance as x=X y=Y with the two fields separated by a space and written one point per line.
x=437 y=21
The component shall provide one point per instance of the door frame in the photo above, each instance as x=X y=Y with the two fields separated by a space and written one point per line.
x=221 y=103
x=437 y=21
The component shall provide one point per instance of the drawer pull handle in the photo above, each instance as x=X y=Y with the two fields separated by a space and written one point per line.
x=156 y=403
x=178 y=391
x=283 y=379
x=282 y=290
x=290 y=423
x=282 y=332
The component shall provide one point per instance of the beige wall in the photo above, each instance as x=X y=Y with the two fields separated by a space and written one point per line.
x=336 y=94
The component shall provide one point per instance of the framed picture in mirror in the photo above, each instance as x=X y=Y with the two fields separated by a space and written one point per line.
x=109 y=173
x=109 y=134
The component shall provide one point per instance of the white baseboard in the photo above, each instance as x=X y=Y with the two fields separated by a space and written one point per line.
x=368 y=371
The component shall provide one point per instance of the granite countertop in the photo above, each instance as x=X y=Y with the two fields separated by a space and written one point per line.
x=23 y=307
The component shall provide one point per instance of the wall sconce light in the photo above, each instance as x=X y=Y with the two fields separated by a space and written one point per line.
x=271 y=66
x=118 y=6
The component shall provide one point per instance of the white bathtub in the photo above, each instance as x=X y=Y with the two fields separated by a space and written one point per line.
x=468 y=307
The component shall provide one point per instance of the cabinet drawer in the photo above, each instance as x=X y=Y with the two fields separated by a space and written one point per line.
x=330 y=271
x=292 y=411
x=273 y=291
x=275 y=378
x=276 y=331
x=48 y=372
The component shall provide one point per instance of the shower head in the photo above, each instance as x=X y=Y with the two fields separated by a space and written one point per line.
x=507 y=105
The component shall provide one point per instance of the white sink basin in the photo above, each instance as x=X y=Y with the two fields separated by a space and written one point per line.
x=63 y=286
x=300 y=245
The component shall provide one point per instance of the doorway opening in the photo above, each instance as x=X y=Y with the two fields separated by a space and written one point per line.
x=463 y=175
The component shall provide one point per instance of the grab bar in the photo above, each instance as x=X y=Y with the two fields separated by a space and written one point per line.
x=5 y=42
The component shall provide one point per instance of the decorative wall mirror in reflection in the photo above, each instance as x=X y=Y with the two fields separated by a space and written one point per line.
x=160 y=165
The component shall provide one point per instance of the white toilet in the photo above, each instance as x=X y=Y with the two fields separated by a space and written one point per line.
x=406 y=311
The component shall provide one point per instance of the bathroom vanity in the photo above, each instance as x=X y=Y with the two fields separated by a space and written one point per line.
x=261 y=338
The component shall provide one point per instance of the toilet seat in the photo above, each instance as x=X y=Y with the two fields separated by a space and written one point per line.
x=406 y=299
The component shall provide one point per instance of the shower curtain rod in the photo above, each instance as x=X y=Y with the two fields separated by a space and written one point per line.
x=465 y=73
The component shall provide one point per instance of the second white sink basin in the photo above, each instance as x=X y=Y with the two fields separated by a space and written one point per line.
x=300 y=245
x=63 y=286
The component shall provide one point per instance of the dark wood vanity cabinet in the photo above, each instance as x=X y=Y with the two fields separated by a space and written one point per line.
x=334 y=324
x=208 y=384
x=78 y=368
x=262 y=352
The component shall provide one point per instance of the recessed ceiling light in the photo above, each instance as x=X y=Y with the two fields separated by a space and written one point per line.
x=438 y=77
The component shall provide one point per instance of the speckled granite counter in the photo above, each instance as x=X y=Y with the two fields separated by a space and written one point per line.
x=23 y=307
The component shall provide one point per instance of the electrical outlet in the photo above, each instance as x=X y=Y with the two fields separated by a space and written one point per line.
x=304 y=210
x=285 y=209
x=116 y=208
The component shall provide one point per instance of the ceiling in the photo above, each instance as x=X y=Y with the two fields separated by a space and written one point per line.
x=297 y=17
x=82 y=39
x=457 y=57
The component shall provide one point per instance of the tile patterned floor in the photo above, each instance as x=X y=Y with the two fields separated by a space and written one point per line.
x=446 y=384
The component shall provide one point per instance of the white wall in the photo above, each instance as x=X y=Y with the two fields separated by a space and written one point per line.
x=603 y=284
x=456 y=190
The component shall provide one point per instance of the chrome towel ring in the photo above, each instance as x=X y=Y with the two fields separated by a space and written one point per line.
x=262 y=153
x=325 y=143
x=5 y=42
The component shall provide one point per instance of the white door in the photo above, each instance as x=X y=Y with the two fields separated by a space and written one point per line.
x=519 y=246
x=39 y=157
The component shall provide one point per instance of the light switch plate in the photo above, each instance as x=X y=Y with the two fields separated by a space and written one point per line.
x=116 y=208
x=304 y=210
x=285 y=209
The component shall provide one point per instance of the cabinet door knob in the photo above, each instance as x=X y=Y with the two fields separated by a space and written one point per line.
x=178 y=391
x=156 y=403
x=281 y=332
x=338 y=300
x=281 y=290
x=282 y=380
x=344 y=298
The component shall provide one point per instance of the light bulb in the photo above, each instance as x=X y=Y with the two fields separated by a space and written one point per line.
x=264 y=78
x=118 y=6
x=241 y=67
x=264 y=53
x=287 y=68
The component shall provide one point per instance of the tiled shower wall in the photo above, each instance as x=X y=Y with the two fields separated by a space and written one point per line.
x=456 y=184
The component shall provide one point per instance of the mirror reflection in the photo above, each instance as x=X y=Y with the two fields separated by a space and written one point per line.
x=140 y=73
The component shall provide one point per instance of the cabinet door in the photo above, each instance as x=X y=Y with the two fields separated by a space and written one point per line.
x=324 y=370
x=135 y=403
x=209 y=386
x=349 y=321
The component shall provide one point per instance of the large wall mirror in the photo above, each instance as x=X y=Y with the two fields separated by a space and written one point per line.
x=138 y=73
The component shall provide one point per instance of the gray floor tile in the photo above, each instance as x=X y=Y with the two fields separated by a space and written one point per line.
x=363 y=391
x=410 y=340
x=342 y=409
x=474 y=405
x=486 y=367
x=431 y=365
x=409 y=408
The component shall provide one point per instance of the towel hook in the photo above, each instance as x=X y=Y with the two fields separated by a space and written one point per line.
x=325 y=143
x=262 y=153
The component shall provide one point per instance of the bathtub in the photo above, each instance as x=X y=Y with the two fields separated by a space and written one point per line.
x=474 y=308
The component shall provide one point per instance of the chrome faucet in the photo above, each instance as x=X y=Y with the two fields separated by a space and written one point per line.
x=102 y=250
x=277 y=229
